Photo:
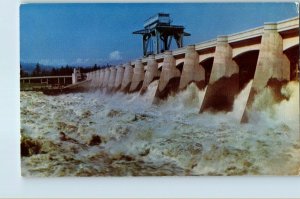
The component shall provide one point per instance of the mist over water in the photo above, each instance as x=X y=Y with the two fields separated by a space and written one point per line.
x=172 y=138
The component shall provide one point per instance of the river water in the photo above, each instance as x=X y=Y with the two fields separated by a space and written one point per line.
x=172 y=138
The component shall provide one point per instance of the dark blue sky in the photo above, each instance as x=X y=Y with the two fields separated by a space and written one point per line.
x=85 y=34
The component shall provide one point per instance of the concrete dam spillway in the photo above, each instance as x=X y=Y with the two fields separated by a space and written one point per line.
x=266 y=57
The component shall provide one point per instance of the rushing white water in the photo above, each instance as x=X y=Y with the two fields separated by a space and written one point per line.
x=171 y=138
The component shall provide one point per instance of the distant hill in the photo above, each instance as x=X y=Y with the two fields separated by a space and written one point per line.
x=59 y=70
x=29 y=67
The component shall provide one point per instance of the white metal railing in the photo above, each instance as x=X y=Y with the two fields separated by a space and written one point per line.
x=46 y=77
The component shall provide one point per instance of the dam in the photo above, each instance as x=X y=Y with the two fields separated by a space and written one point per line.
x=227 y=106
x=268 y=55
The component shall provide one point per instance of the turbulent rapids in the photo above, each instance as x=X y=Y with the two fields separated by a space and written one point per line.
x=97 y=134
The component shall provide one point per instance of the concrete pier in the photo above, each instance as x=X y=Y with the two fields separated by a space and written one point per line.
x=272 y=69
x=88 y=76
x=112 y=78
x=106 y=78
x=169 y=77
x=192 y=71
x=119 y=77
x=224 y=79
x=102 y=74
x=138 y=76
x=94 y=79
x=74 y=76
x=151 y=74
x=97 y=79
x=126 y=82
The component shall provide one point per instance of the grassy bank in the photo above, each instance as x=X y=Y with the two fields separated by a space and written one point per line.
x=33 y=86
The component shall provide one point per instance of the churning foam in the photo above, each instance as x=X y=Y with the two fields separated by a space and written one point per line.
x=240 y=103
x=171 y=138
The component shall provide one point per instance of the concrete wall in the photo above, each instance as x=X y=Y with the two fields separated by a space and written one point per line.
x=106 y=78
x=94 y=79
x=192 y=71
x=126 y=82
x=102 y=74
x=169 y=78
x=97 y=79
x=290 y=42
x=273 y=67
x=243 y=49
x=151 y=74
x=272 y=62
x=138 y=76
x=119 y=77
x=223 y=83
x=112 y=77
x=74 y=76
x=205 y=56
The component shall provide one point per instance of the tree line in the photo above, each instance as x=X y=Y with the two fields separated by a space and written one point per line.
x=63 y=70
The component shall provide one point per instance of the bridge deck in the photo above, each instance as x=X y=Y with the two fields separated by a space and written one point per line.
x=282 y=26
x=46 y=77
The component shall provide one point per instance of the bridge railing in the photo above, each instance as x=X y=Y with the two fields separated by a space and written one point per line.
x=247 y=34
x=46 y=77
x=288 y=24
